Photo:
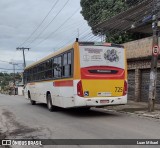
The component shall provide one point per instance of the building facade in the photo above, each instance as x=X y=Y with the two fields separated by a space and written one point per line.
x=139 y=63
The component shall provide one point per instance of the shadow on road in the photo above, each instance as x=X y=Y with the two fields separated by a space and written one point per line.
x=93 y=112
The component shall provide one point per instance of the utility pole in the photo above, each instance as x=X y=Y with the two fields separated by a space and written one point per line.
x=155 y=53
x=13 y=71
x=14 y=81
x=24 y=61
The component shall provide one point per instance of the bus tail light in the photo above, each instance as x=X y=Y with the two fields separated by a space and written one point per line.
x=125 y=88
x=79 y=89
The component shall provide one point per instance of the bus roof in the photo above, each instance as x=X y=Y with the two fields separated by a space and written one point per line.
x=71 y=46
x=100 y=44
x=50 y=56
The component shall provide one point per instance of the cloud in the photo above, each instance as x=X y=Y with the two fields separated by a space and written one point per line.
x=19 y=18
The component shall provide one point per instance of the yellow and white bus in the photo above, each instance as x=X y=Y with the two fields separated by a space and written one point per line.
x=84 y=74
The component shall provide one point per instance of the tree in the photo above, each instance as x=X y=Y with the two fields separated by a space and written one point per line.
x=96 y=11
x=1 y=74
x=6 y=78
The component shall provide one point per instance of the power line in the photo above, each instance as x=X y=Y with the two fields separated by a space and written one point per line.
x=94 y=37
x=127 y=27
x=114 y=23
x=140 y=12
x=9 y=69
x=73 y=34
x=135 y=3
x=8 y=62
x=40 y=23
x=74 y=38
x=14 y=55
x=48 y=24
x=23 y=49
x=57 y=28
x=4 y=61
x=54 y=32
x=90 y=37
x=64 y=30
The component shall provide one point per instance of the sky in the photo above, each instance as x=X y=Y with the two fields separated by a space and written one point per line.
x=44 y=26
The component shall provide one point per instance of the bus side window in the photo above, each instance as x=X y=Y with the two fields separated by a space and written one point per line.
x=48 y=72
x=67 y=61
x=37 y=74
x=55 y=72
x=70 y=63
x=57 y=67
x=69 y=58
x=31 y=75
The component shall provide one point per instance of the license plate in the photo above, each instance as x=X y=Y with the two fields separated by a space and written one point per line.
x=104 y=101
x=104 y=94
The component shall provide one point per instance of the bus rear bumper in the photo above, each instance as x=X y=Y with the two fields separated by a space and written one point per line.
x=101 y=101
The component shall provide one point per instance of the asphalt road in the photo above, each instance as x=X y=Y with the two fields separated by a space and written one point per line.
x=20 y=119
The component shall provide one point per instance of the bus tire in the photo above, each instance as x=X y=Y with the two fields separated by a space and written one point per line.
x=50 y=107
x=32 y=101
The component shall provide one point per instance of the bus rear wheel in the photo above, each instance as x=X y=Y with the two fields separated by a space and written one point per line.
x=49 y=103
x=32 y=101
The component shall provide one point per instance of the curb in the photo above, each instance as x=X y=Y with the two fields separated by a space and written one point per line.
x=155 y=116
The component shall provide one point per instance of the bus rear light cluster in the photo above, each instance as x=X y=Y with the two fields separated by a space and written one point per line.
x=79 y=89
x=125 y=88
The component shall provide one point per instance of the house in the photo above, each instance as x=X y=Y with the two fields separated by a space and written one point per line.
x=139 y=54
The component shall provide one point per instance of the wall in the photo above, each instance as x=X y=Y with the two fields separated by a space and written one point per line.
x=139 y=58
x=20 y=90
x=139 y=48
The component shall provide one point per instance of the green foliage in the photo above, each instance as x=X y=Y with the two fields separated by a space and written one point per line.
x=124 y=37
x=6 y=78
x=96 y=11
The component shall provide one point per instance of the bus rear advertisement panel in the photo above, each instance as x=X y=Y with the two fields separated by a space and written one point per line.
x=102 y=56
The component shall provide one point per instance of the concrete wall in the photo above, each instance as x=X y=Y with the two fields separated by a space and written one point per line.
x=139 y=48
x=139 y=57
x=20 y=91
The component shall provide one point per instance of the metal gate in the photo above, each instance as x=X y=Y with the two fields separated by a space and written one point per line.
x=145 y=85
x=158 y=87
x=131 y=84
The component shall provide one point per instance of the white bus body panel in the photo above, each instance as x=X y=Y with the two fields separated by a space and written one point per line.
x=66 y=97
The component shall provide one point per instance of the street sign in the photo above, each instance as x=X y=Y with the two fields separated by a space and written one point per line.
x=155 y=50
